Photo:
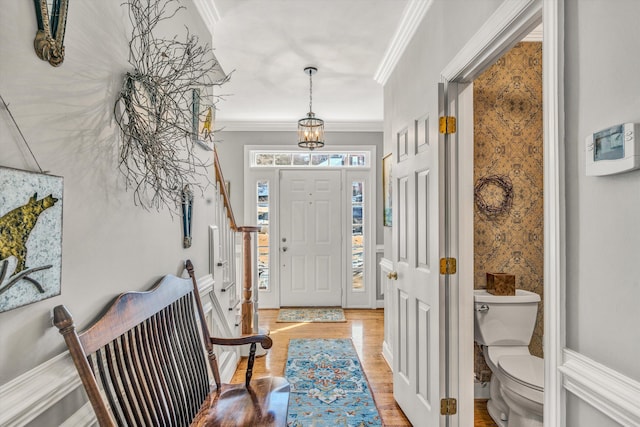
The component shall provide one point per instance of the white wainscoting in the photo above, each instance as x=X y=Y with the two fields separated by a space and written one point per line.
x=386 y=267
x=612 y=393
x=379 y=284
x=31 y=394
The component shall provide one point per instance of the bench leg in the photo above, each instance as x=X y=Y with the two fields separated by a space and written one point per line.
x=252 y=358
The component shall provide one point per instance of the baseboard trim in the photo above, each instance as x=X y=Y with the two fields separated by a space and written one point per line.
x=481 y=390
x=387 y=355
x=612 y=393
x=228 y=363
x=83 y=417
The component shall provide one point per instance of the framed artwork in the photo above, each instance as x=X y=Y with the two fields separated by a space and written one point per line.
x=30 y=237
x=386 y=190
x=202 y=120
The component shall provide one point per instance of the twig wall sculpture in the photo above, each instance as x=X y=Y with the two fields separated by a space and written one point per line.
x=154 y=107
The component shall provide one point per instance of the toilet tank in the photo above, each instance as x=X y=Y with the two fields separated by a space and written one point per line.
x=504 y=320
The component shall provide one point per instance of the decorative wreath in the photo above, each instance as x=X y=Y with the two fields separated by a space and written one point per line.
x=494 y=210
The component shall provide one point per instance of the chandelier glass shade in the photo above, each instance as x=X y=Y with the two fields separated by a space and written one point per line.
x=310 y=128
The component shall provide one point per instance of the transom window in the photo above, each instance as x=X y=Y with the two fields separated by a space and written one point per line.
x=297 y=159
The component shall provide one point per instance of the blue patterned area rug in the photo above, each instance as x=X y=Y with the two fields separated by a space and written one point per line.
x=328 y=386
x=305 y=315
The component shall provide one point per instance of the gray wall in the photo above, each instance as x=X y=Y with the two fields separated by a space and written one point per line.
x=66 y=115
x=412 y=88
x=602 y=88
x=231 y=152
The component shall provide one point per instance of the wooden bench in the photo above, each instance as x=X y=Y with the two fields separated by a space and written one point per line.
x=143 y=363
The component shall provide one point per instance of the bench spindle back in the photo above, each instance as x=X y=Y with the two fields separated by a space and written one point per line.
x=145 y=356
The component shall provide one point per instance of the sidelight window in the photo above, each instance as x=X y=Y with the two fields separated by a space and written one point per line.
x=263 y=235
x=357 y=236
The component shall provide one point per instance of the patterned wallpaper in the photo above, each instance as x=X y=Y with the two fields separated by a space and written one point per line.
x=508 y=141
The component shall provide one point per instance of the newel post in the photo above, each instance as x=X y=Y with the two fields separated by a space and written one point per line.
x=247 y=280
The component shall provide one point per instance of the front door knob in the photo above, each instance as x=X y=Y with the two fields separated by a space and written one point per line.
x=392 y=275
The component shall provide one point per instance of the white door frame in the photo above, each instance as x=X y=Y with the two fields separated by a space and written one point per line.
x=511 y=21
x=271 y=298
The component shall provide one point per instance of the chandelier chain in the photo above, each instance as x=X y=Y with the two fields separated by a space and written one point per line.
x=310 y=92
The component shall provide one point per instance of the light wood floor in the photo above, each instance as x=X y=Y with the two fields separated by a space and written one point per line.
x=366 y=329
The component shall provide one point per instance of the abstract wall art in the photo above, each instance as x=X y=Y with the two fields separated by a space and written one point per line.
x=30 y=237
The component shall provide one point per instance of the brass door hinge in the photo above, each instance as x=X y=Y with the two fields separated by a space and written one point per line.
x=448 y=266
x=447 y=124
x=448 y=406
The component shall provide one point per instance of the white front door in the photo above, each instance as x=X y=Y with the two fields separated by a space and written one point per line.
x=310 y=238
x=416 y=362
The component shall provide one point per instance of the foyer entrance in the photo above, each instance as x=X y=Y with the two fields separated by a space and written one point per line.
x=316 y=211
x=310 y=238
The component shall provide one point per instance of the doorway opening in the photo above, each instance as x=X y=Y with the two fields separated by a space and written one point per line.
x=509 y=24
x=508 y=171
x=317 y=216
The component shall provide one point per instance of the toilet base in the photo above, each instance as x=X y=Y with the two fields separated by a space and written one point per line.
x=496 y=405
x=496 y=414
x=515 y=420
x=522 y=411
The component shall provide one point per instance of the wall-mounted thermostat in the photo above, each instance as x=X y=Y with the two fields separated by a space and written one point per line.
x=613 y=150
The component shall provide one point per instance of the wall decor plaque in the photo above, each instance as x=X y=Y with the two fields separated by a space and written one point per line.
x=30 y=237
x=51 y=17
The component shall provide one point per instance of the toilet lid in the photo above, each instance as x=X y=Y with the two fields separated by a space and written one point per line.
x=527 y=370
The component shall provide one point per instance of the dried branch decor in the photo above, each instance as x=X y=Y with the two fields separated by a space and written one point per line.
x=154 y=109
x=490 y=204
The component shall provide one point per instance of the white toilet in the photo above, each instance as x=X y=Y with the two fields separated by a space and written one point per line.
x=503 y=326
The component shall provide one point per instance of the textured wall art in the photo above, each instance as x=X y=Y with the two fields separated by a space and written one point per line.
x=30 y=237
x=156 y=108
x=508 y=142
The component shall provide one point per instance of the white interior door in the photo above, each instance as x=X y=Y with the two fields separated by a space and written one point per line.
x=415 y=252
x=310 y=238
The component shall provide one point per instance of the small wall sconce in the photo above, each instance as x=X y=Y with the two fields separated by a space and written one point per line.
x=49 y=41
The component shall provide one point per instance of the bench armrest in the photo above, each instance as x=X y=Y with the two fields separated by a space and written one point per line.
x=263 y=340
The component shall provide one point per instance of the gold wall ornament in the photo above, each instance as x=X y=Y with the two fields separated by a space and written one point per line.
x=49 y=41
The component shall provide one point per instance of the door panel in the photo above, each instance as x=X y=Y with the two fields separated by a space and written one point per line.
x=310 y=238
x=403 y=323
x=423 y=219
x=415 y=241
x=403 y=211
x=422 y=333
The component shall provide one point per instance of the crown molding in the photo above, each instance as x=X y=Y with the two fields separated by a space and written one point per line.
x=535 y=35
x=291 y=126
x=409 y=22
x=209 y=13
x=493 y=38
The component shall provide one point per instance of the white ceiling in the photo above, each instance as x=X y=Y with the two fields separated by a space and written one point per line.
x=267 y=44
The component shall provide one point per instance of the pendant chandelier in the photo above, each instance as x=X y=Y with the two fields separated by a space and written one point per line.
x=310 y=128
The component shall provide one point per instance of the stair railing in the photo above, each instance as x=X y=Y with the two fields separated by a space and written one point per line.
x=249 y=307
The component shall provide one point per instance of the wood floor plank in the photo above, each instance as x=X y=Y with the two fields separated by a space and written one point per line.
x=366 y=329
